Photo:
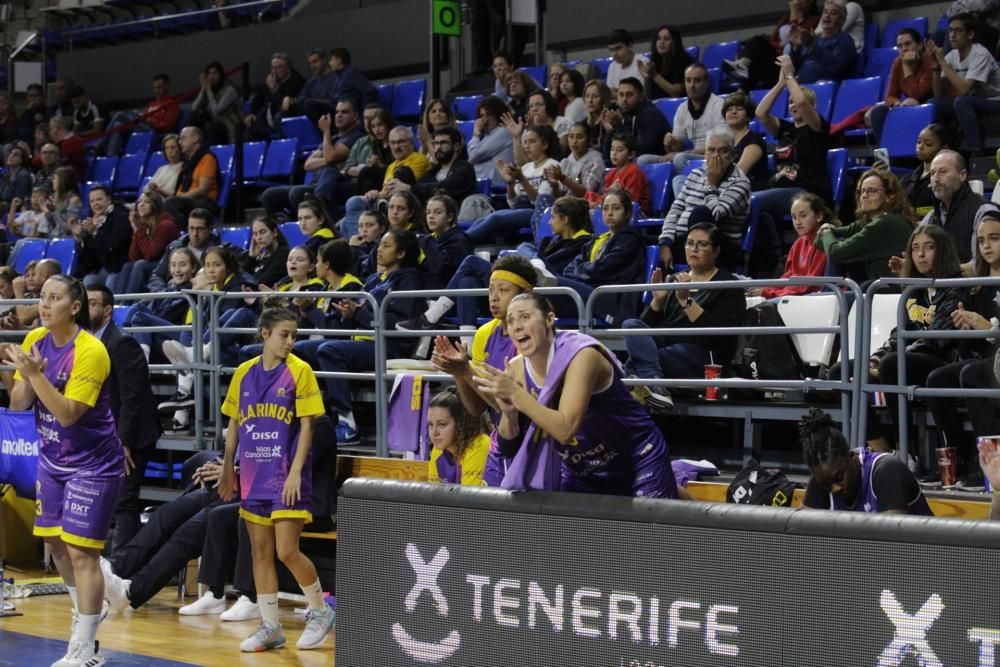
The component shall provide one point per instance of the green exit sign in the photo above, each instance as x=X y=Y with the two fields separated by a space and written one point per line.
x=448 y=17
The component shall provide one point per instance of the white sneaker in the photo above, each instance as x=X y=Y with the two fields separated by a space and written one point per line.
x=243 y=610
x=206 y=605
x=81 y=654
x=318 y=626
x=177 y=354
x=115 y=588
x=267 y=636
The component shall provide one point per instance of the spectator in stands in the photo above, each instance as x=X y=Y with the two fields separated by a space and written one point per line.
x=152 y=231
x=854 y=23
x=664 y=72
x=580 y=171
x=446 y=245
x=862 y=249
x=103 y=239
x=15 y=183
x=46 y=171
x=370 y=154
x=693 y=119
x=162 y=115
x=459 y=444
x=503 y=65
x=717 y=192
x=183 y=265
x=854 y=480
x=596 y=98
x=66 y=202
x=750 y=150
x=33 y=222
x=437 y=114
x=164 y=180
x=315 y=223
x=966 y=82
x=637 y=116
x=29 y=286
x=541 y=111
x=340 y=133
x=350 y=82
x=555 y=72
x=43 y=135
x=198 y=239
x=917 y=184
x=956 y=205
x=625 y=62
x=198 y=181
x=909 y=79
x=267 y=105
x=685 y=356
x=364 y=245
x=405 y=212
x=828 y=53
x=519 y=87
x=572 y=229
x=71 y=149
x=7 y=277
x=624 y=173
x=973 y=369
x=34 y=114
x=398 y=256
x=571 y=85
x=316 y=97
x=87 y=117
x=268 y=253
x=805 y=259
x=218 y=108
x=524 y=182
x=449 y=174
x=564 y=404
x=755 y=64
x=63 y=102
x=490 y=142
x=132 y=405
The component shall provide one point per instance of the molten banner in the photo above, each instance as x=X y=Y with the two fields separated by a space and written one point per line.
x=18 y=451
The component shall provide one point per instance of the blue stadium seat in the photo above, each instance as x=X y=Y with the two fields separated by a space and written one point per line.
x=855 y=94
x=871 y=42
x=139 y=142
x=237 y=236
x=483 y=186
x=29 y=250
x=279 y=163
x=652 y=261
x=155 y=161
x=715 y=79
x=129 y=174
x=597 y=218
x=253 y=160
x=750 y=234
x=825 y=92
x=119 y=313
x=601 y=65
x=544 y=228
x=880 y=62
x=902 y=125
x=780 y=108
x=836 y=165
x=660 y=192
x=693 y=51
x=385 y=94
x=537 y=72
x=465 y=106
x=691 y=165
x=466 y=127
x=63 y=251
x=302 y=129
x=104 y=169
x=668 y=106
x=408 y=100
x=892 y=28
x=715 y=53
x=225 y=154
x=290 y=230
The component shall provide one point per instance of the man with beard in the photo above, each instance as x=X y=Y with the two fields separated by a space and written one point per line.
x=451 y=175
x=956 y=205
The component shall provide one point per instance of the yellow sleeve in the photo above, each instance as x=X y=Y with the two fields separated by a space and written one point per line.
x=91 y=367
x=432 y=468
x=420 y=165
x=33 y=337
x=479 y=341
x=308 y=399
x=231 y=405
x=474 y=461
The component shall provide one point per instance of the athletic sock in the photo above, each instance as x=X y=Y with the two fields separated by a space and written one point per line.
x=185 y=383
x=86 y=628
x=314 y=594
x=72 y=596
x=348 y=418
x=268 y=607
x=437 y=308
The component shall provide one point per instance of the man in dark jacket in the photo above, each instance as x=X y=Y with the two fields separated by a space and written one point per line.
x=103 y=239
x=636 y=116
x=451 y=175
x=266 y=107
x=956 y=205
x=132 y=405
x=199 y=238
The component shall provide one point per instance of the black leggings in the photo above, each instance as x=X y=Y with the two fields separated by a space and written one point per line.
x=982 y=411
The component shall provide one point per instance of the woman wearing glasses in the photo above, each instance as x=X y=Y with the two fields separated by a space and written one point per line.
x=654 y=357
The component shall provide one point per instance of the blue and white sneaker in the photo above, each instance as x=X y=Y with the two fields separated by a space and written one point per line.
x=346 y=434
x=319 y=623
x=267 y=636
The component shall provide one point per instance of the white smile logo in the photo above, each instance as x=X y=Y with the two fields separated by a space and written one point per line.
x=427 y=574
x=911 y=631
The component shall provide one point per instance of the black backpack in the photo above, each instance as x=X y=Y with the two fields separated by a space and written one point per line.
x=754 y=485
x=766 y=356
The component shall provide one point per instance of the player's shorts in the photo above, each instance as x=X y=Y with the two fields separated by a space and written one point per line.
x=265 y=512
x=75 y=506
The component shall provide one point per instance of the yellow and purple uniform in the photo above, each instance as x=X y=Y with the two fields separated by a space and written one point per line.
x=80 y=466
x=493 y=346
x=267 y=405
x=469 y=471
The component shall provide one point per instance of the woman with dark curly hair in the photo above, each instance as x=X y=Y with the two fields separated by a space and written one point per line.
x=459 y=441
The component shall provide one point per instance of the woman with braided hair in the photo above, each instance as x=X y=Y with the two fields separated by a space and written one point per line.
x=854 y=480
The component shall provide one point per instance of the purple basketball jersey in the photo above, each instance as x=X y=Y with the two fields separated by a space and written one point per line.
x=493 y=346
x=867 y=500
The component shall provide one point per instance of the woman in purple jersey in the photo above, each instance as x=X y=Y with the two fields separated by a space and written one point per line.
x=568 y=421
x=272 y=403
x=61 y=373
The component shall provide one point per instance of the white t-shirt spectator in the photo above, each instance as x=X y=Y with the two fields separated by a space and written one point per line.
x=688 y=127
x=977 y=66
x=616 y=72
x=535 y=174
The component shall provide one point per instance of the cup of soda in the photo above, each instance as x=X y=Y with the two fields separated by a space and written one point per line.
x=712 y=371
x=947 y=466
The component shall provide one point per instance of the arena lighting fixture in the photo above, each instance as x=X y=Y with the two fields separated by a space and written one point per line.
x=31 y=37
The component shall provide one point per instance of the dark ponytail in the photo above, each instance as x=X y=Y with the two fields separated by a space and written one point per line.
x=77 y=292
x=822 y=441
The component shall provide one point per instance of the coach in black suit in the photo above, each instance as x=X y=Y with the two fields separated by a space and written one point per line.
x=132 y=404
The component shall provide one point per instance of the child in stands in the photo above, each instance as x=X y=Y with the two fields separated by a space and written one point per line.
x=275 y=394
x=444 y=248
x=315 y=223
x=371 y=226
x=626 y=174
